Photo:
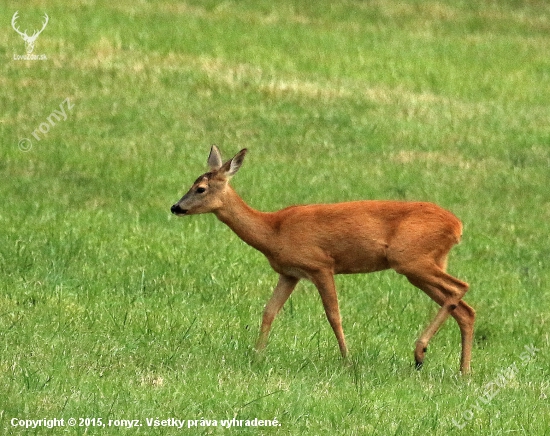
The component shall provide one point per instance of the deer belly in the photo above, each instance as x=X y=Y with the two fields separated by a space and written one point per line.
x=292 y=270
x=360 y=258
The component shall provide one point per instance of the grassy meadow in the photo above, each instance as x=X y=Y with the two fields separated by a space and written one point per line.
x=112 y=310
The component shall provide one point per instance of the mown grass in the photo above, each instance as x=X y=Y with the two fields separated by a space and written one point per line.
x=111 y=308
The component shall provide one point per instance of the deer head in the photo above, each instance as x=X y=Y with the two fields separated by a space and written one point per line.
x=206 y=194
x=29 y=40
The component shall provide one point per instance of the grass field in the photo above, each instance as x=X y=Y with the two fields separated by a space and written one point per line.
x=111 y=309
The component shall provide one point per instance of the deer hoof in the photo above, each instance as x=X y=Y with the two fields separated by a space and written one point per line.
x=419 y=354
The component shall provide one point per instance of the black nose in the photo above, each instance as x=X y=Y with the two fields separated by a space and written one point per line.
x=176 y=209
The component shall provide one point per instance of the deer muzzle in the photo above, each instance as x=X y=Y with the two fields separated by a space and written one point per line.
x=177 y=210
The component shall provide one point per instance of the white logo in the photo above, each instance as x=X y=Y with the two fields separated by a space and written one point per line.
x=29 y=40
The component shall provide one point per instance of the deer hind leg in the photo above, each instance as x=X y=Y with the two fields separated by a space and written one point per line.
x=282 y=291
x=427 y=272
x=324 y=282
x=465 y=316
x=461 y=311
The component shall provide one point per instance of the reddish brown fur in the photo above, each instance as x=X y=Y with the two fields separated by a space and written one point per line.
x=314 y=242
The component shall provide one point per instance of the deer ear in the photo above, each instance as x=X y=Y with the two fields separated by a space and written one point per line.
x=215 y=158
x=233 y=165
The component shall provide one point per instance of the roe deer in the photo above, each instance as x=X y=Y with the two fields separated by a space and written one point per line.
x=316 y=241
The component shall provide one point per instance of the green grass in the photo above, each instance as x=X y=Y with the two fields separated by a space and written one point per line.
x=112 y=308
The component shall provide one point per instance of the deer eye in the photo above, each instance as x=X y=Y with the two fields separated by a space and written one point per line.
x=200 y=190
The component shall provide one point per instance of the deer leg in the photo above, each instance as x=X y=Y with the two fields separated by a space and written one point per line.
x=464 y=316
x=282 y=291
x=429 y=332
x=445 y=284
x=327 y=289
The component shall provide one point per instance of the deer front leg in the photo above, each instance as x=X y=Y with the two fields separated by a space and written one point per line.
x=324 y=282
x=282 y=291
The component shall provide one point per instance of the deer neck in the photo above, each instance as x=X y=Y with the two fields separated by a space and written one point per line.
x=252 y=226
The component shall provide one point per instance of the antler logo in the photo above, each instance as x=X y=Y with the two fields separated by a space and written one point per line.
x=29 y=40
